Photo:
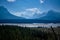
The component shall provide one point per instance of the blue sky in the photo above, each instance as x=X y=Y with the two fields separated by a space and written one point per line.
x=27 y=8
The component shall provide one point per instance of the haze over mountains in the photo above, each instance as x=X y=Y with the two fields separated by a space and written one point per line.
x=51 y=16
x=4 y=14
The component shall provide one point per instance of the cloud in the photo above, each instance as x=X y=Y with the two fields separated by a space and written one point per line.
x=41 y=1
x=34 y=10
x=29 y=13
x=11 y=0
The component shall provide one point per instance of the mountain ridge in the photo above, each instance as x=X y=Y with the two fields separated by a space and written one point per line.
x=6 y=15
x=50 y=17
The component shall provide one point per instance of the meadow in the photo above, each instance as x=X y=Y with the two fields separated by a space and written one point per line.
x=13 y=32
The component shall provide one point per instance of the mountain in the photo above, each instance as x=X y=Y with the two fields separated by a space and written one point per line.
x=51 y=15
x=4 y=14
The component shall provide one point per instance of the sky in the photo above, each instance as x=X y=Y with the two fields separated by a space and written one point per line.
x=28 y=8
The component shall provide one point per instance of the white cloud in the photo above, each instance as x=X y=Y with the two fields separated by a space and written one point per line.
x=41 y=1
x=11 y=0
x=28 y=13
x=34 y=10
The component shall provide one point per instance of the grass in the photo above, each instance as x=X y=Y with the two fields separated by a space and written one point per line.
x=11 y=32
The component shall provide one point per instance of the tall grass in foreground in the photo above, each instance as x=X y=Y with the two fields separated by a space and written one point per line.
x=11 y=32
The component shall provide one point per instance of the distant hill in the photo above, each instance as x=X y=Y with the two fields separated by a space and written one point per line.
x=51 y=15
x=4 y=14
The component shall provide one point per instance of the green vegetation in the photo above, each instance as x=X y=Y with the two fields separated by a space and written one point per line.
x=11 y=32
